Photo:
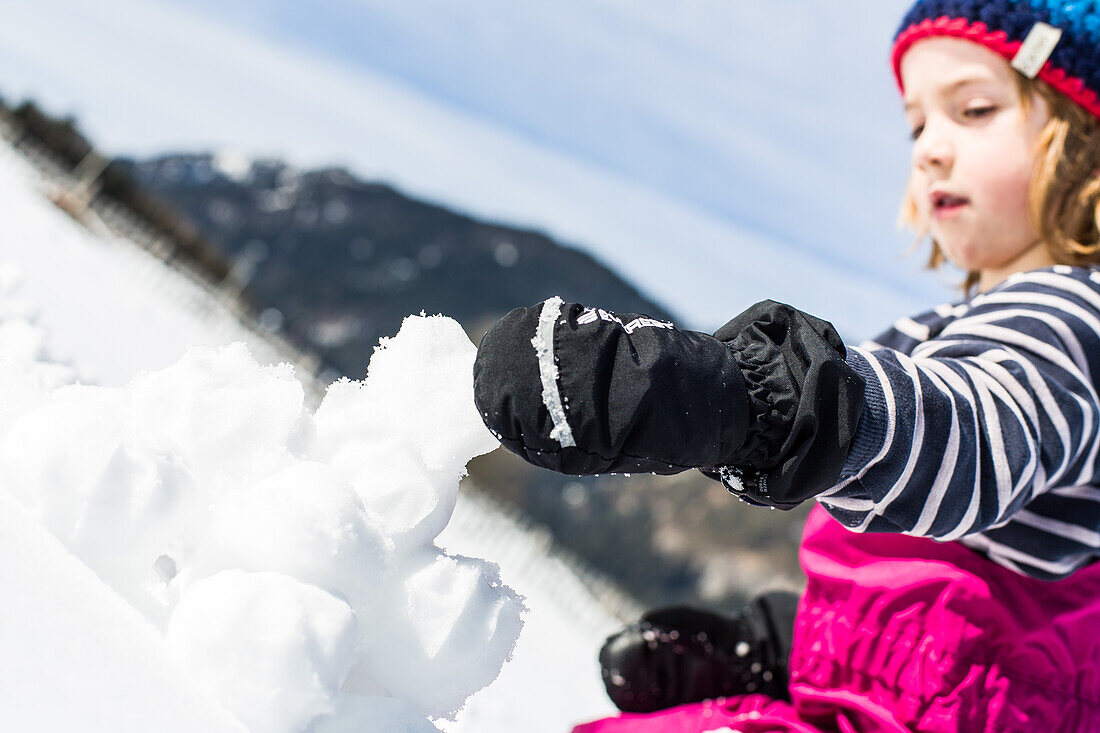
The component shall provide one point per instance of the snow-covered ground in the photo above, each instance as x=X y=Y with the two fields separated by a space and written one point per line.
x=187 y=544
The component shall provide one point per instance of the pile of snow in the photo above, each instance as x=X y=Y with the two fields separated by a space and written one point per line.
x=286 y=557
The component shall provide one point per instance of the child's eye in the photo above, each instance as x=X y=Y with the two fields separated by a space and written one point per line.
x=915 y=133
x=979 y=112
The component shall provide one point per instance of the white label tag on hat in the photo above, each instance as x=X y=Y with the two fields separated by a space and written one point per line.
x=1037 y=48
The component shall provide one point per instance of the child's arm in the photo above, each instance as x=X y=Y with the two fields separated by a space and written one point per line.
x=583 y=391
x=951 y=441
x=998 y=408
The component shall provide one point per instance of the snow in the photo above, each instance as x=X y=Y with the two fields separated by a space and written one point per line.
x=374 y=715
x=543 y=343
x=335 y=545
x=553 y=680
x=275 y=650
x=112 y=492
x=196 y=493
x=198 y=545
x=119 y=309
x=76 y=656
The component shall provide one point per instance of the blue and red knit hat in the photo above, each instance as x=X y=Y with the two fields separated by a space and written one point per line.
x=1073 y=67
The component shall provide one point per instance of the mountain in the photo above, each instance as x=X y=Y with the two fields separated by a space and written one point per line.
x=339 y=262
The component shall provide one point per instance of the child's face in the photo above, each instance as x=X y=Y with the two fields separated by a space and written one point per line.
x=972 y=156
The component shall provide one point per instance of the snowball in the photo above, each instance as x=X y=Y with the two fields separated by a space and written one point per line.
x=304 y=522
x=273 y=649
x=403 y=437
x=425 y=375
x=419 y=390
x=235 y=420
x=411 y=504
x=112 y=492
x=357 y=714
x=447 y=630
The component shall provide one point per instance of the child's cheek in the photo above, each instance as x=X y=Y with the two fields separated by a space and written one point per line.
x=1008 y=187
x=1002 y=177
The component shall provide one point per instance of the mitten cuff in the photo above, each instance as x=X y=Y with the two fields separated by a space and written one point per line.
x=772 y=393
x=806 y=401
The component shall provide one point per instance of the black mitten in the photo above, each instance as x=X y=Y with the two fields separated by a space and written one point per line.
x=768 y=407
x=584 y=391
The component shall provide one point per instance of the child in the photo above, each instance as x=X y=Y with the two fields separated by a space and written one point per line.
x=950 y=562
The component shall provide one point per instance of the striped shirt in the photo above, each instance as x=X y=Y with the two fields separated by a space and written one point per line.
x=982 y=424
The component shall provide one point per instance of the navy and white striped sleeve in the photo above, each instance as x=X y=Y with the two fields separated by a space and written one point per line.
x=997 y=408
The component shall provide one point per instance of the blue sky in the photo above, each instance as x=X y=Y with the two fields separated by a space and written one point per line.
x=715 y=152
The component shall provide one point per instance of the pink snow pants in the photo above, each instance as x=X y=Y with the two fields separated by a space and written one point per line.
x=898 y=633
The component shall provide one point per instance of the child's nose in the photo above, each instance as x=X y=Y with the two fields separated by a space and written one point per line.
x=933 y=149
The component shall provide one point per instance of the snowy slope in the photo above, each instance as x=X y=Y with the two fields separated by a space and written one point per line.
x=715 y=153
x=192 y=536
x=76 y=656
x=112 y=308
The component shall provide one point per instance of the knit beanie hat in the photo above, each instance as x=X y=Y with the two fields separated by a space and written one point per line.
x=1057 y=41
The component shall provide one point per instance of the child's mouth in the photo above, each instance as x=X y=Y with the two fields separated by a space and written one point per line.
x=944 y=204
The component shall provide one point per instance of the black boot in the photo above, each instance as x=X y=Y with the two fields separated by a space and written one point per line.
x=679 y=655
